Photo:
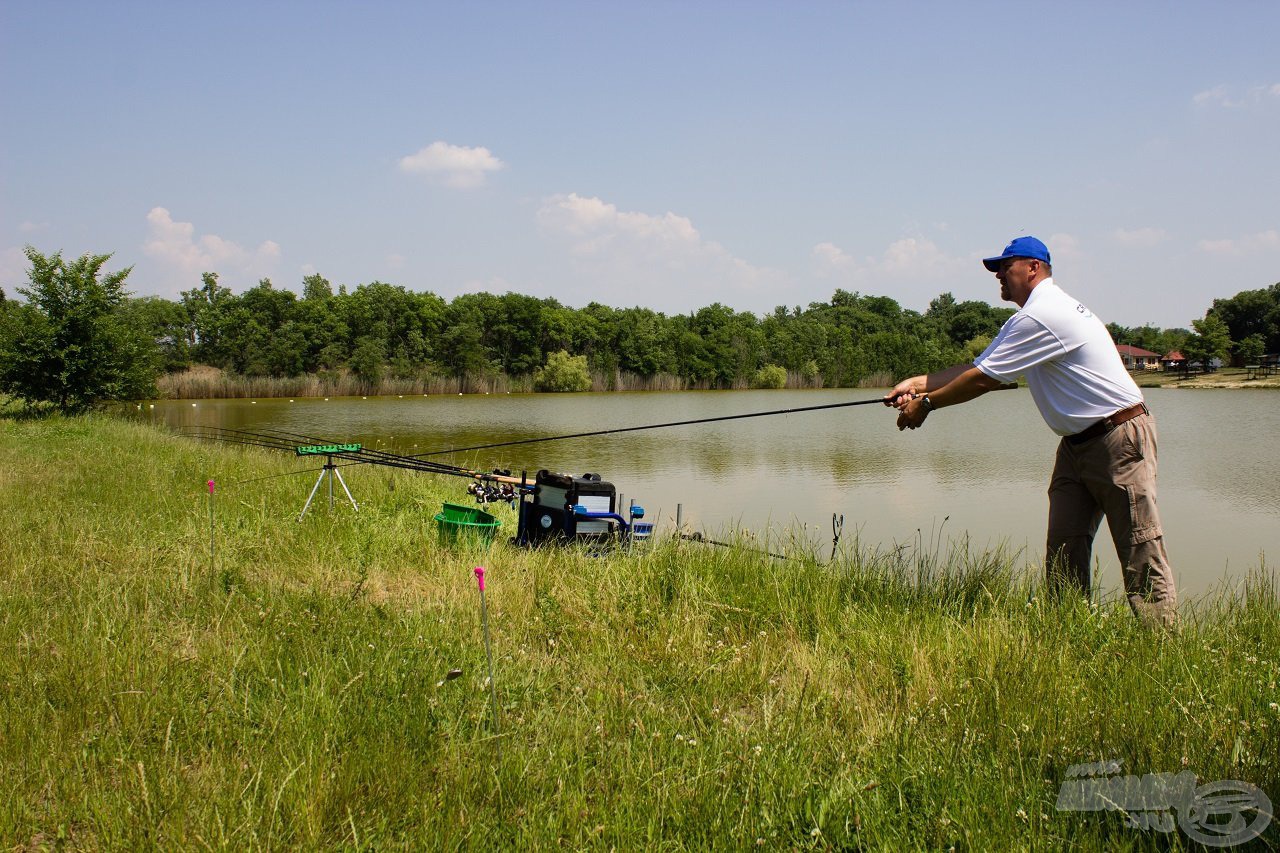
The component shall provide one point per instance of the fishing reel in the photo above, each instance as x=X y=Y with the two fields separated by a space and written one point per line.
x=492 y=492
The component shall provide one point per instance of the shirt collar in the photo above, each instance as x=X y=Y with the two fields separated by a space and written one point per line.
x=1035 y=291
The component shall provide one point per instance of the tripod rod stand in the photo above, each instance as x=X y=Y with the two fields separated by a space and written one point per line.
x=332 y=471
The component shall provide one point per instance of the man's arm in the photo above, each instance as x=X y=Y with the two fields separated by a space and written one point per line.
x=923 y=384
x=966 y=384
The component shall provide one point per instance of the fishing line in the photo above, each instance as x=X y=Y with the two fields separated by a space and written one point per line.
x=879 y=400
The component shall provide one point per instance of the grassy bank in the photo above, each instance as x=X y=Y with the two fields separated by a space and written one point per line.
x=1226 y=377
x=290 y=689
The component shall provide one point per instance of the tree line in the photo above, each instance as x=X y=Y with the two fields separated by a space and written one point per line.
x=79 y=337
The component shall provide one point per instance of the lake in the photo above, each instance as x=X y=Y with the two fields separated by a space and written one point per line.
x=979 y=470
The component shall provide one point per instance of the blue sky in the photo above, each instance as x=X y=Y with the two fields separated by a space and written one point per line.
x=661 y=154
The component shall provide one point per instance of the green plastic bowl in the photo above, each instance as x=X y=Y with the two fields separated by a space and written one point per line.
x=457 y=522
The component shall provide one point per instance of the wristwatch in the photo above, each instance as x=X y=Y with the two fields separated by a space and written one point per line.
x=927 y=403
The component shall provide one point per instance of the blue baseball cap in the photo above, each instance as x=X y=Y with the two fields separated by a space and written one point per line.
x=1021 y=247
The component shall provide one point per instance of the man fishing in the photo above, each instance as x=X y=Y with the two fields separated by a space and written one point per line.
x=1106 y=461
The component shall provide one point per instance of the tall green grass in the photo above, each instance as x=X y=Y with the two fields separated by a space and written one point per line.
x=290 y=689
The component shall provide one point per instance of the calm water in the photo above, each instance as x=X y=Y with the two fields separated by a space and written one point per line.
x=978 y=470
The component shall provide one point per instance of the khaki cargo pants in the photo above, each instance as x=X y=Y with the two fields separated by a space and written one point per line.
x=1112 y=475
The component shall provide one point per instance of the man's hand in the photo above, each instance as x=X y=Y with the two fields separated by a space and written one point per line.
x=904 y=391
x=911 y=413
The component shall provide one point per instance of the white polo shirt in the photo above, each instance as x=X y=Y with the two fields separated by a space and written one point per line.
x=1066 y=354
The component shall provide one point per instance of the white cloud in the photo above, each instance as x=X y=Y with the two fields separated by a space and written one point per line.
x=912 y=254
x=13 y=271
x=1216 y=95
x=661 y=259
x=909 y=257
x=912 y=270
x=1263 y=241
x=1140 y=238
x=1221 y=96
x=1064 y=247
x=177 y=248
x=32 y=227
x=828 y=257
x=453 y=165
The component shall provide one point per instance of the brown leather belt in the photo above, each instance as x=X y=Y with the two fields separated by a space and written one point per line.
x=1106 y=425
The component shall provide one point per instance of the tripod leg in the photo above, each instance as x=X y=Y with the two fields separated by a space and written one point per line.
x=314 y=489
x=345 y=489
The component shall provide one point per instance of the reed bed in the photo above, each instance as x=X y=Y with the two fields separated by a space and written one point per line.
x=181 y=674
x=202 y=382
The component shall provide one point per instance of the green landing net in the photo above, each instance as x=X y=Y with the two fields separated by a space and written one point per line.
x=326 y=449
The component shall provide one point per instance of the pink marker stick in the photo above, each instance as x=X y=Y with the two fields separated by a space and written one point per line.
x=211 y=487
x=488 y=653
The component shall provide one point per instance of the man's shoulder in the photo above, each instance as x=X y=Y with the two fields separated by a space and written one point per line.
x=1049 y=302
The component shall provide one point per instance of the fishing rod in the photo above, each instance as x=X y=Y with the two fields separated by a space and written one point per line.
x=276 y=439
x=280 y=440
x=880 y=400
x=357 y=454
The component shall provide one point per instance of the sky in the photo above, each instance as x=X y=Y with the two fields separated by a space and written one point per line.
x=661 y=154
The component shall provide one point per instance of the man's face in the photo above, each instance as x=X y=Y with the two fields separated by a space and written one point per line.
x=1014 y=275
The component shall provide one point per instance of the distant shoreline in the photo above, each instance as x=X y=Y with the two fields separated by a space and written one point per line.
x=213 y=384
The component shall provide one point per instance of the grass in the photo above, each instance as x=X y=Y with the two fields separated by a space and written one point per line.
x=290 y=690
x=1224 y=377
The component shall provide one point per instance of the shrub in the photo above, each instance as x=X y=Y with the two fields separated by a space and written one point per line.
x=770 y=376
x=563 y=372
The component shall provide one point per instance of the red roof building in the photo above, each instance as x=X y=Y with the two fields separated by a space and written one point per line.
x=1173 y=360
x=1137 y=358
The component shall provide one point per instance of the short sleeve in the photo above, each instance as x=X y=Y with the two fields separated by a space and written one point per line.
x=1023 y=343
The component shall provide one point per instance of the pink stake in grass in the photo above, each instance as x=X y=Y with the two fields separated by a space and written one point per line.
x=211 y=528
x=488 y=653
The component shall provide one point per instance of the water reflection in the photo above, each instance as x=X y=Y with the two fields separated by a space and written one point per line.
x=979 y=470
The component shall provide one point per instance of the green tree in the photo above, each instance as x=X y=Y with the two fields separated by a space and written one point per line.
x=1250 y=350
x=368 y=359
x=164 y=322
x=563 y=372
x=69 y=345
x=209 y=308
x=975 y=347
x=316 y=288
x=1211 y=340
